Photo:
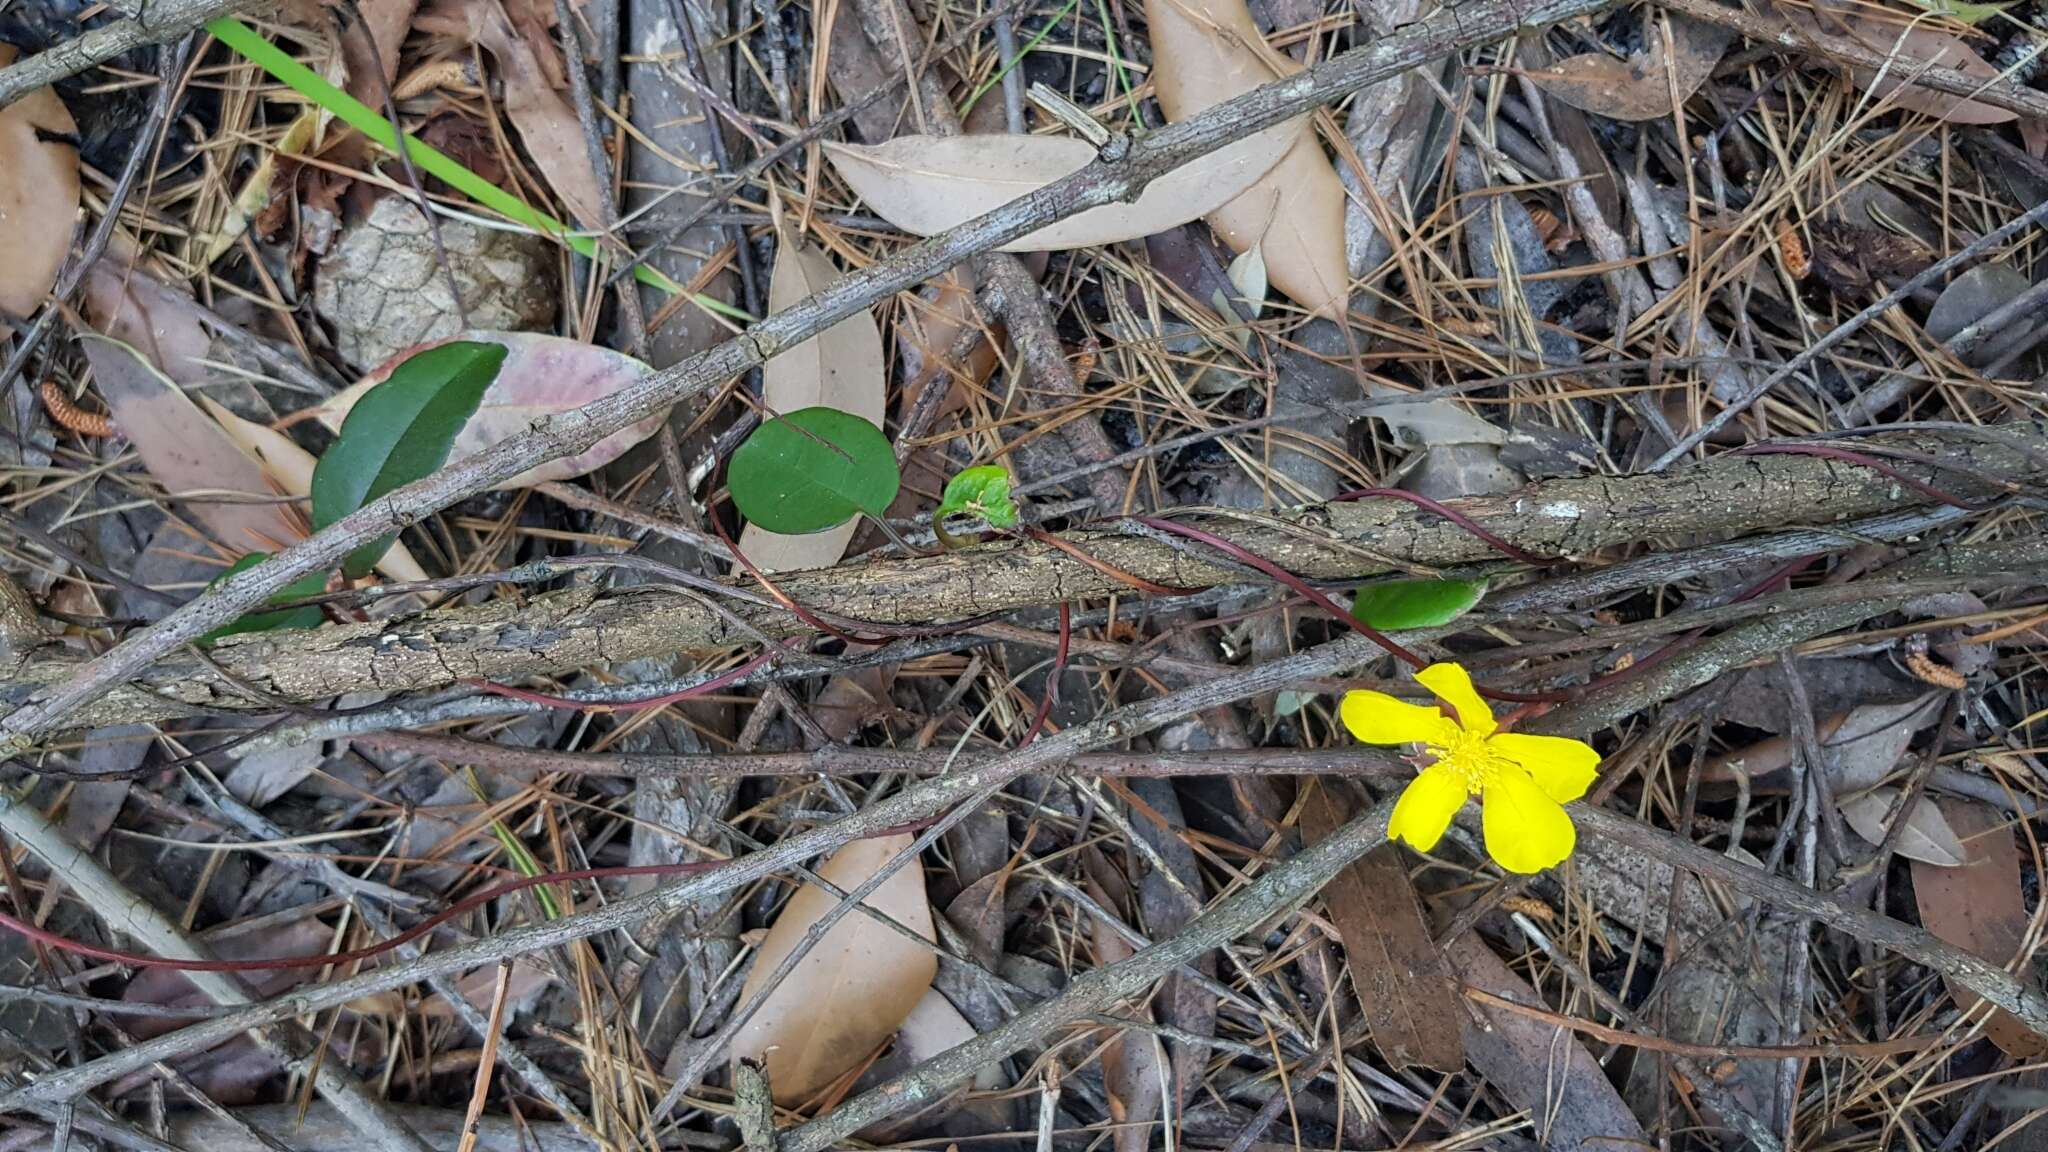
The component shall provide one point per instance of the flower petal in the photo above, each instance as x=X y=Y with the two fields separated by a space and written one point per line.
x=1453 y=685
x=1563 y=768
x=1526 y=831
x=1426 y=807
x=1377 y=718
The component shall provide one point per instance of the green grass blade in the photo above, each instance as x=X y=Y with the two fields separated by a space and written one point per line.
x=374 y=125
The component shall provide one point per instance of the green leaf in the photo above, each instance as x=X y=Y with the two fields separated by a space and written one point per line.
x=983 y=492
x=401 y=431
x=811 y=470
x=307 y=616
x=1398 y=604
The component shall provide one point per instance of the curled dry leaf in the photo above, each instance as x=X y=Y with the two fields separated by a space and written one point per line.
x=1207 y=51
x=547 y=124
x=542 y=375
x=1642 y=86
x=1862 y=745
x=290 y=469
x=1927 y=837
x=928 y=184
x=1980 y=907
x=854 y=989
x=38 y=194
x=841 y=367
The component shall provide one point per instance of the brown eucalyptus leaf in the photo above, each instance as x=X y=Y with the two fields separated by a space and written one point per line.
x=1642 y=86
x=1538 y=1067
x=38 y=194
x=1927 y=838
x=542 y=375
x=1911 y=48
x=1980 y=907
x=1862 y=745
x=546 y=122
x=854 y=989
x=1397 y=973
x=1207 y=51
x=928 y=184
x=1133 y=1063
x=842 y=367
x=224 y=488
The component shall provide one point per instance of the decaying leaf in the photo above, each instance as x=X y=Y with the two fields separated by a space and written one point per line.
x=1911 y=49
x=1207 y=51
x=1538 y=1067
x=199 y=464
x=1927 y=839
x=1642 y=86
x=1862 y=745
x=1133 y=1063
x=927 y=184
x=546 y=122
x=842 y=367
x=38 y=194
x=1980 y=907
x=854 y=989
x=932 y=1027
x=542 y=375
x=1396 y=970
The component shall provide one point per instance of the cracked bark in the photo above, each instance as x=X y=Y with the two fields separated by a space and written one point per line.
x=561 y=631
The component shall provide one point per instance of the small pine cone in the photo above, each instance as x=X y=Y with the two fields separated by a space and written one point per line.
x=382 y=289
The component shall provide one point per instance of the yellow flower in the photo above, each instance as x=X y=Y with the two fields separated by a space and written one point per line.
x=1522 y=781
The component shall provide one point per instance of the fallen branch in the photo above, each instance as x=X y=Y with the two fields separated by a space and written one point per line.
x=128 y=913
x=1123 y=170
x=158 y=22
x=552 y=633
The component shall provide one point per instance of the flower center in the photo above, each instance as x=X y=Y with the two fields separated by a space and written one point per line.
x=1468 y=756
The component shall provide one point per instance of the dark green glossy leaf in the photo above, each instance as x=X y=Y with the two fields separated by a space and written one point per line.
x=308 y=616
x=400 y=431
x=812 y=469
x=1398 y=604
x=984 y=492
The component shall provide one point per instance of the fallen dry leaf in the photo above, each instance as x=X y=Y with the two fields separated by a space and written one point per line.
x=1911 y=49
x=188 y=453
x=38 y=194
x=927 y=184
x=1641 y=87
x=546 y=122
x=1207 y=51
x=1862 y=745
x=1396 y=970
x=1133 y=1063
x=1927 y=839
x=1980 y=907
x=542 y=375
x=854 y=989
x=1539 y=1067
x=842 y=367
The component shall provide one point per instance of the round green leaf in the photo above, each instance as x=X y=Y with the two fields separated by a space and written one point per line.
x=983 y=491
x=307 y=616
x=811 y=470
x=1398 y=604
x=400 y=431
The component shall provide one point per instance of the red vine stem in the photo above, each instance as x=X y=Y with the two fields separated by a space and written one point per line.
x=1052 y=678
